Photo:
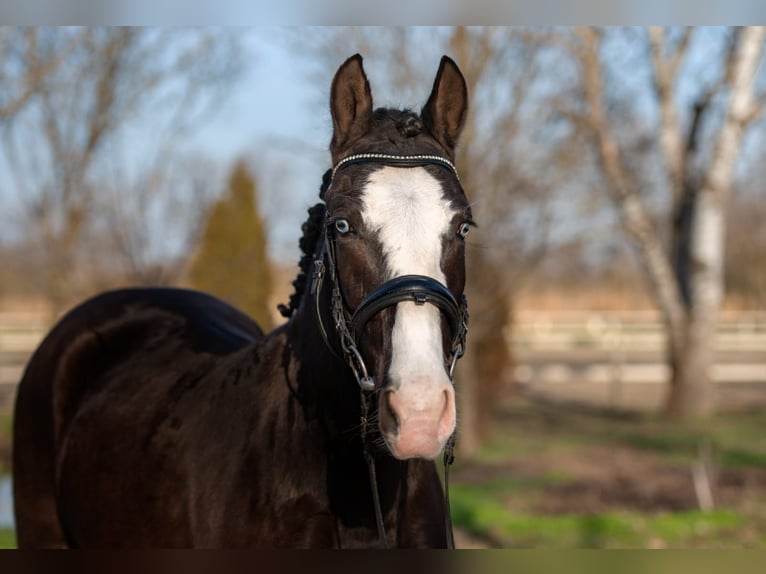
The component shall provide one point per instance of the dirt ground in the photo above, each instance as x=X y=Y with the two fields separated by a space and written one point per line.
x=599 y=477
x=607 y=478
x=577 y=457
x=561 y=455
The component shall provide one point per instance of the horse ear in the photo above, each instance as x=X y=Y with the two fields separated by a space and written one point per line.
x=445 y=111
x=350 y=104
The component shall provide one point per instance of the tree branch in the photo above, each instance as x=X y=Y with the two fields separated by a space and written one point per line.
x=635 y=217
x=665 y=74
x=35 y=71
x=740 y=72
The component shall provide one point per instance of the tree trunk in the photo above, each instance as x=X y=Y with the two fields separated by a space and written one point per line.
x=699 y=251
x=467 y=390
x=688 y=286
x=691 y=393
x=483 y=375
x=692 y=387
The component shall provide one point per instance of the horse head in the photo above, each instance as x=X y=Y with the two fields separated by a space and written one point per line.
x=396 y=222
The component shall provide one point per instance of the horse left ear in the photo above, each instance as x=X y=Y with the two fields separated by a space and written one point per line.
x=445 y=111
x=350 y=104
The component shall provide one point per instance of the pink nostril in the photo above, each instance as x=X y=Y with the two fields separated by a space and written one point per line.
x=389 y=420
x=447 y=420
x=416 y=420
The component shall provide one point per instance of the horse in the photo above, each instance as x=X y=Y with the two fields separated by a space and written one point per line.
x=164 y=417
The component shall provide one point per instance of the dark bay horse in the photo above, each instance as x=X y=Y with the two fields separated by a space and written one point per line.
x=166 y=418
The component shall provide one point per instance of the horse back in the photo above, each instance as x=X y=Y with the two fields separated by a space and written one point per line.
x=75 y=368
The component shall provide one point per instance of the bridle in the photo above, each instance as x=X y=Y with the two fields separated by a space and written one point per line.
x=349 y=324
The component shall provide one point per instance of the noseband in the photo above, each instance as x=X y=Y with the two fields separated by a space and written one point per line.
x=349 y=324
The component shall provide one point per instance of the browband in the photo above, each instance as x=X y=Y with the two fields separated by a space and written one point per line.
x=395 y=160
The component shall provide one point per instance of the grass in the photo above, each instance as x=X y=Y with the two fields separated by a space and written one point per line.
x=483 y=516
x=507 y=510
x=7 y=538
x=501 y=506
x=738 y=439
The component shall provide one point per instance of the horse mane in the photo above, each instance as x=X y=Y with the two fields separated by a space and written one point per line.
x=311 y=235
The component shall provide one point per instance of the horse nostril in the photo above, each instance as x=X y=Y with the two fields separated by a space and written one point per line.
x=388 y=418
x=447 y=418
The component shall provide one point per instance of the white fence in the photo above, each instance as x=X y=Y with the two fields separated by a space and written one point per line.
x=618 y=359
x=551 y=347
x=20 y=334
x=634 y=331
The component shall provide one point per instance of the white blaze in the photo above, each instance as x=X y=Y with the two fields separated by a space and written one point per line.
x=405 y=207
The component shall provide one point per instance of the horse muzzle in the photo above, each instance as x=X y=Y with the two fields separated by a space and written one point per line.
x=417 y=419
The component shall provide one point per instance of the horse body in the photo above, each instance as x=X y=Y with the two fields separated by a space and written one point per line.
x=186 y=452
x=166 y=418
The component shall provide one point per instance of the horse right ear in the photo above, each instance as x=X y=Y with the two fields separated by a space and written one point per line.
x=445 y=111
x=350 y=105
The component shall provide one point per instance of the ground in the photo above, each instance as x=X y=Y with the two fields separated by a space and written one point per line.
x=564 y=475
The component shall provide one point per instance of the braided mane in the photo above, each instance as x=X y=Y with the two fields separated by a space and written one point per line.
x=311 y=235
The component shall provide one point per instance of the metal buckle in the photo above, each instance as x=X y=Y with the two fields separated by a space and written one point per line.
x=318 y=275
x=366 y=382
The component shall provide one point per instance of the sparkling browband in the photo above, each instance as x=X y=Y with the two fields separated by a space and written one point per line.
x=396 y=160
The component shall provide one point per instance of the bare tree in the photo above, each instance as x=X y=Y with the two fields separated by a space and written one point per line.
x=150 y=223
x=745 y=261
x=686 y=278
x=71 y=96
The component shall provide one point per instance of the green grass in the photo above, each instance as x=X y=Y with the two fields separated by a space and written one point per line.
x=737 y=439
x=6 y=423
x=500 y=507
x=7 y=538
x=482 y=515
x=508 y=510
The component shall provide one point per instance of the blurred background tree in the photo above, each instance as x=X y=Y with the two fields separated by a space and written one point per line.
x=82 y=180
x=98 y=202
x=652 y=120
x=686 y=151
x=232 y=260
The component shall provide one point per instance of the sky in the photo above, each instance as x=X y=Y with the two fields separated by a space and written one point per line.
x=274 y=115
x=278 y=118
x=397 y=12
x=273 y=98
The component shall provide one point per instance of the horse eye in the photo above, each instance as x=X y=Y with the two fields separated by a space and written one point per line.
x=342 y=226
x=463 y=230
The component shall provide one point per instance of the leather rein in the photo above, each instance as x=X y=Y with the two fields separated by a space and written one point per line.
x=349 y=324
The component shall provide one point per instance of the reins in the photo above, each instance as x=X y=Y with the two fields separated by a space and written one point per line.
x=349 y=325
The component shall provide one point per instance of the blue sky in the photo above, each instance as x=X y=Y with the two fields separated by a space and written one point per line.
x=274 y=115
x=274 y=97
x=277 y=117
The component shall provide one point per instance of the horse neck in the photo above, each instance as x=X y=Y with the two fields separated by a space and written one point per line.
x=323 y=380
x=326 y=384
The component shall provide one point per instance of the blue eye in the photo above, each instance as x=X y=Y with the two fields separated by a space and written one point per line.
x=463 y=230
x=342 y=226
